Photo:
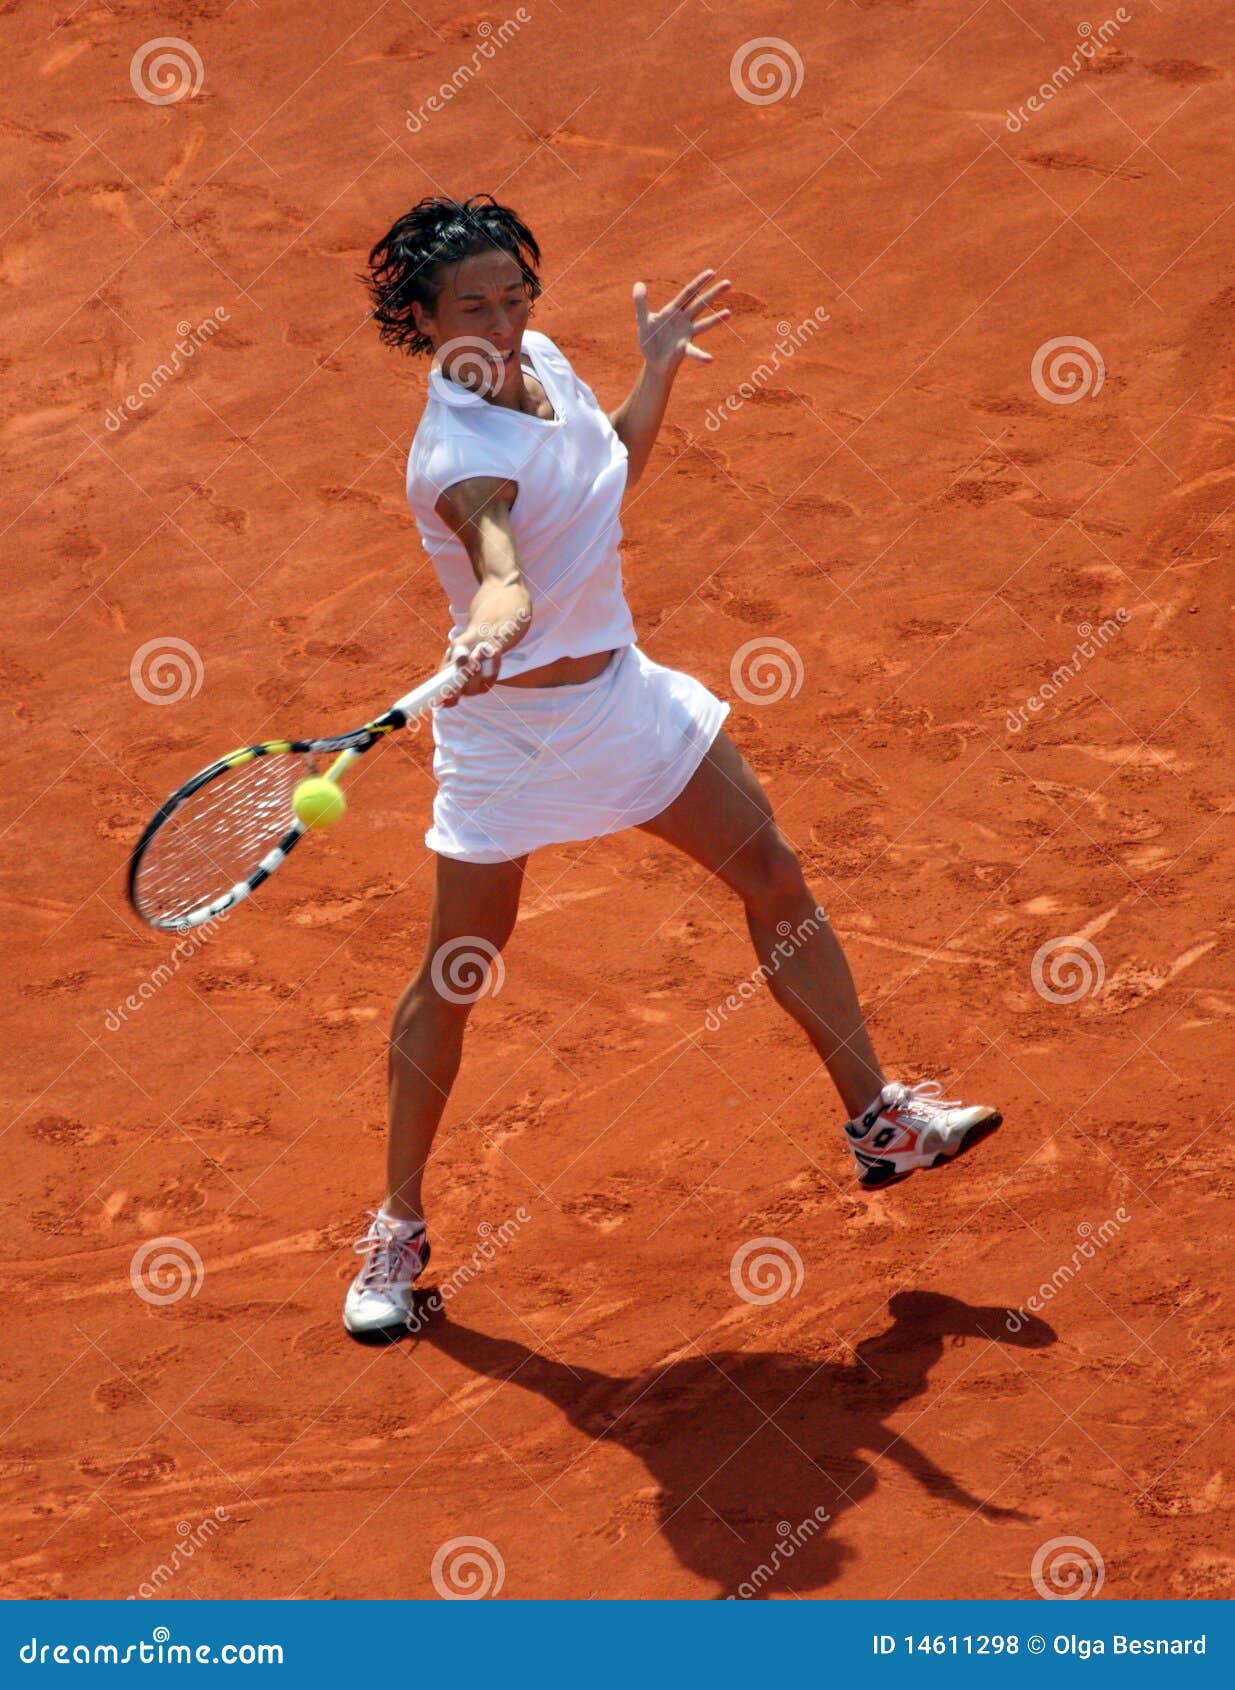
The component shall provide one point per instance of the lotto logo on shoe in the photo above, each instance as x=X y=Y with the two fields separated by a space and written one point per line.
x=860 y=1128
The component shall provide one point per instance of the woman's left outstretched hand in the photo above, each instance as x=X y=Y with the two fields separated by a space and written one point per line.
x=668 y=335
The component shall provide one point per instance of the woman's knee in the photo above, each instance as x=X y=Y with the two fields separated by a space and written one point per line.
x=773 y=882
x=475 y=909
x=458 y=971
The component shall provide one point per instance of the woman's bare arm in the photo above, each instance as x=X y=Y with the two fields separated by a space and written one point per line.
x=665 y=338
x=500 y=613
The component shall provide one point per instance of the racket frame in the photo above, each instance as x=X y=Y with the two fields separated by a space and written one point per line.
x=345 y=748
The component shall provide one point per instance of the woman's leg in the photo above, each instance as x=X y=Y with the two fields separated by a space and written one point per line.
x=723 y=820
x=474 y=911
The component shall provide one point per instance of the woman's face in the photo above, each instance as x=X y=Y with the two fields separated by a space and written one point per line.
x=477 y=325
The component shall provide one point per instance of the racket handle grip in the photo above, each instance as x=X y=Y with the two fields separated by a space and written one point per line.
x=429 y=693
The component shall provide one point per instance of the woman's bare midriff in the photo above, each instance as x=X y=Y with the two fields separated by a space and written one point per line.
x=563 y=672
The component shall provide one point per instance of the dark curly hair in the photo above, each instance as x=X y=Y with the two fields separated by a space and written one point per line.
x=406 y=264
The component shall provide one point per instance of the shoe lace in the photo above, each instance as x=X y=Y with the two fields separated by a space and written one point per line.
x=391 y=1257
x=922 y=1100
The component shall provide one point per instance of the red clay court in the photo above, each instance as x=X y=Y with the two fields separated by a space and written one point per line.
x=947 y=521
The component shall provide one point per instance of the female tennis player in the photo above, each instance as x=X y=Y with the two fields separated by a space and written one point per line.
x=563 y=729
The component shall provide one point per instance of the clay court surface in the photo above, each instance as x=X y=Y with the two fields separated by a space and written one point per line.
x=898 y=501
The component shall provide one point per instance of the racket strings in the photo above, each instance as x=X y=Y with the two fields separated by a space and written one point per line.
x=220 y=835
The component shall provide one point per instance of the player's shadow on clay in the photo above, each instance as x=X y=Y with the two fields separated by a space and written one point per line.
x=757 y=1456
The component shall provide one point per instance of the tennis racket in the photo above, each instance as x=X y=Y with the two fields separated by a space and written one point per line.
x=225 y=831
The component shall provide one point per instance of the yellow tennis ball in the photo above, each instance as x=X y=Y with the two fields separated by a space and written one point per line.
x=318 y=802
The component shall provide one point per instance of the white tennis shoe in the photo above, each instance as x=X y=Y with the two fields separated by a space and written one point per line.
x=379 y=1299
x=910 y=1127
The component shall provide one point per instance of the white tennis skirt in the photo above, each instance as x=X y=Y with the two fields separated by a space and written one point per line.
x=521 y=767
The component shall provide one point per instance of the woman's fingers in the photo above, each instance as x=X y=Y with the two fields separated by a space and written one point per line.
x=478 y=668
x=688 y=303
x=709 y=294
x=690 y=289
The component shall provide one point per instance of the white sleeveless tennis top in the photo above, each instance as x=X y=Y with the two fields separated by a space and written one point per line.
x=571 y=474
